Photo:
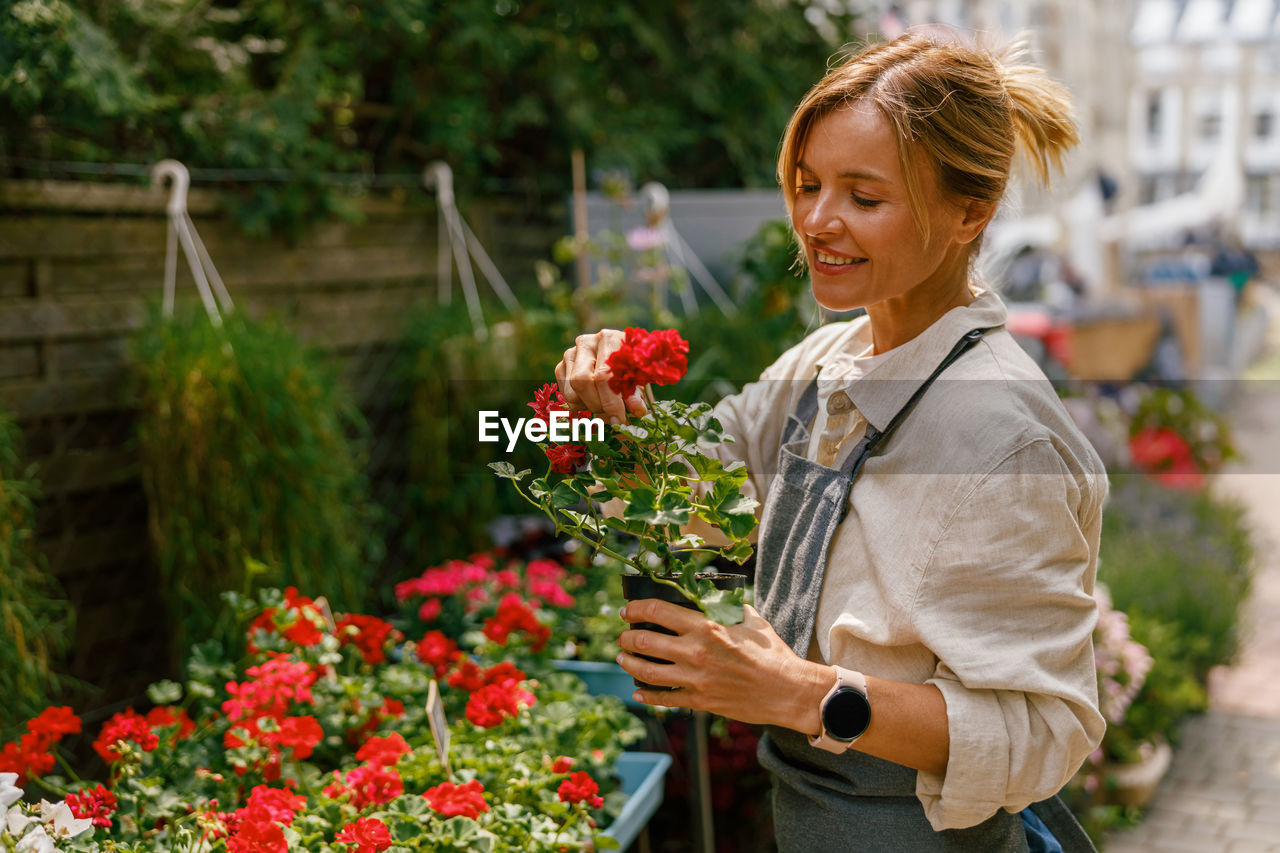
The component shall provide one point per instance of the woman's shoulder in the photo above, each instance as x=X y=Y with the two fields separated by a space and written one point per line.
x=803 y=359
x=997 y=402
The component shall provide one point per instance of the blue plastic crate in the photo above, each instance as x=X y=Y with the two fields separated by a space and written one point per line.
x=641 y=774
x=602 y=679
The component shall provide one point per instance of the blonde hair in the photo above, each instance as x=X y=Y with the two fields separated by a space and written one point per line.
x=965 y=109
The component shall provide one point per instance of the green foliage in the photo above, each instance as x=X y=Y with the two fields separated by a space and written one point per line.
x=453 y=376
x=247 y=454
x=689 y=93
x=775 y=311
x=653 y=466
x=1170 y=692
x=35 y=617
x=1182 y=560
x=1206 y=432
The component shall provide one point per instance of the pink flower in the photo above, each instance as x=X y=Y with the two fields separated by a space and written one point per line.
x=644 y=238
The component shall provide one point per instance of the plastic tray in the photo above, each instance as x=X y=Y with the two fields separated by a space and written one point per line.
x=602 y=679
x=641 y=774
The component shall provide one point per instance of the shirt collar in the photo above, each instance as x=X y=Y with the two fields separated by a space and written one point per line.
x=887 y=387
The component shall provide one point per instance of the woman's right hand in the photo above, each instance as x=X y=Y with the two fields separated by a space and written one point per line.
x=583 y=375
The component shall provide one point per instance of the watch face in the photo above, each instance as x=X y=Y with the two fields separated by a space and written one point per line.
x=846 y=714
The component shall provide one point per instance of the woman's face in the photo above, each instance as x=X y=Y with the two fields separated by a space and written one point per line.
x=852 y=212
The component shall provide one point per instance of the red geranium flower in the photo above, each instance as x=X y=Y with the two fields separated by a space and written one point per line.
x=373 y=785
x=55 y=723
x=369 y=834
x=567 y=458
x=452 y=800
x=163 y=716
x=648 y=358
x=546 y=400
x=384 y=751
x=369 y=634
x=258 y=836
x=128 y=725
x=516 y=615
x=581 y=788
x=96 y=804
x=438 y=651
x=493 y=703
x=274 y=804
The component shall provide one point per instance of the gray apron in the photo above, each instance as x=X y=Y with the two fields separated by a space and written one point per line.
x=827 y=803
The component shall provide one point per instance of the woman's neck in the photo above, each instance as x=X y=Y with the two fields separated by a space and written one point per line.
x=897 y=320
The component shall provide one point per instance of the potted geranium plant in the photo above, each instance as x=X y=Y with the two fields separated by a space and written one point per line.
x=658 y=468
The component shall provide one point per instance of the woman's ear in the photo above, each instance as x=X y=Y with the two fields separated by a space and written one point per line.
x=977 y=214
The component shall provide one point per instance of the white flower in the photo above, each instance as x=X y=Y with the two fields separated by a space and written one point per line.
x=16 y=821
x=36 y=841
x=63 y=823
x=10 y=793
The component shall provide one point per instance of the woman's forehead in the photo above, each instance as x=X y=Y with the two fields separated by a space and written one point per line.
x=854 y=141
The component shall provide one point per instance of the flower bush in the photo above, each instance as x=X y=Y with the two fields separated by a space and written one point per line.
x=1177 y=439
x=318 y=740
x=655 y=465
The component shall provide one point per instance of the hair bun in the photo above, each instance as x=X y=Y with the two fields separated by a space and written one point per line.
x=1040 y=108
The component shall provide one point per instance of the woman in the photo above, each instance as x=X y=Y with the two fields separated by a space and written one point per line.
x=922 y=658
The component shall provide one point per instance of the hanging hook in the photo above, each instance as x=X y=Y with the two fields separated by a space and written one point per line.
x=182 y=229
x=179 y=183
x=456 y=238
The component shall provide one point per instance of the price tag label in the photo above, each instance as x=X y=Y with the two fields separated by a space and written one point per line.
x=439 y=727
x=326 y=614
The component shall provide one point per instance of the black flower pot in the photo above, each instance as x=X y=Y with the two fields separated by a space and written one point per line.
x=637 y=586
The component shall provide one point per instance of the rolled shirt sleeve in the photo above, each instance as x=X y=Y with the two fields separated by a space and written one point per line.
x=1006 y=605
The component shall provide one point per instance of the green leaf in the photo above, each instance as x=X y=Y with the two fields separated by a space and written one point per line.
x=722 y=605
x=688 y=540
x=587 y=521
x=739 y=504
x=640 y=506
x=633 y=430
x=165 y=692
x=740 y=552
x=564 y=495
x=508 y=471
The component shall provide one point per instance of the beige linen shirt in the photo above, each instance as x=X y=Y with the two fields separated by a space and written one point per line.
x=969 y=554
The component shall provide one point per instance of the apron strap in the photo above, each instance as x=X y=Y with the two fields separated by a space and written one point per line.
x=806 y=408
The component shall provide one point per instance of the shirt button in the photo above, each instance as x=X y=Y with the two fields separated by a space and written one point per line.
x=839 y=402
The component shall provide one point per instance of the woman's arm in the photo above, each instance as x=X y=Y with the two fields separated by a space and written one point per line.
x=746 y=672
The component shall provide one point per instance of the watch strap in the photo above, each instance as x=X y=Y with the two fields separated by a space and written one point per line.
x=844 y=678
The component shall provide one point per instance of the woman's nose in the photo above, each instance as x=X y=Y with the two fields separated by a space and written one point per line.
x=819 y=217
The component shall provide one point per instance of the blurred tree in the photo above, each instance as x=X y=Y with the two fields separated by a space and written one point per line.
x=692 y=93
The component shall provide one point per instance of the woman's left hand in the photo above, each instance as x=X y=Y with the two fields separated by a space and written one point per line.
x=744 y=671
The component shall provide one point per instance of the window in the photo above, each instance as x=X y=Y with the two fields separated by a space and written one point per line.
x=1154 y=115
x=1264 y=124
x=1210 y=126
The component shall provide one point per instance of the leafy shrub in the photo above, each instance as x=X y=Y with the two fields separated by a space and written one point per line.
x=692 y=95
x=247 y=452
x=454 y=374
x=1184 y=560
x=35 y=618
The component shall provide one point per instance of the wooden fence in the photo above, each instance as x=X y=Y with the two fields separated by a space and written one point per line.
x=78 y=263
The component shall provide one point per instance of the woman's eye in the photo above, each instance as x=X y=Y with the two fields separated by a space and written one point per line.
x=863 y=202
x=808 y=189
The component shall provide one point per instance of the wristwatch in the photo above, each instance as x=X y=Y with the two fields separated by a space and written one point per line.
x=845 y=712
